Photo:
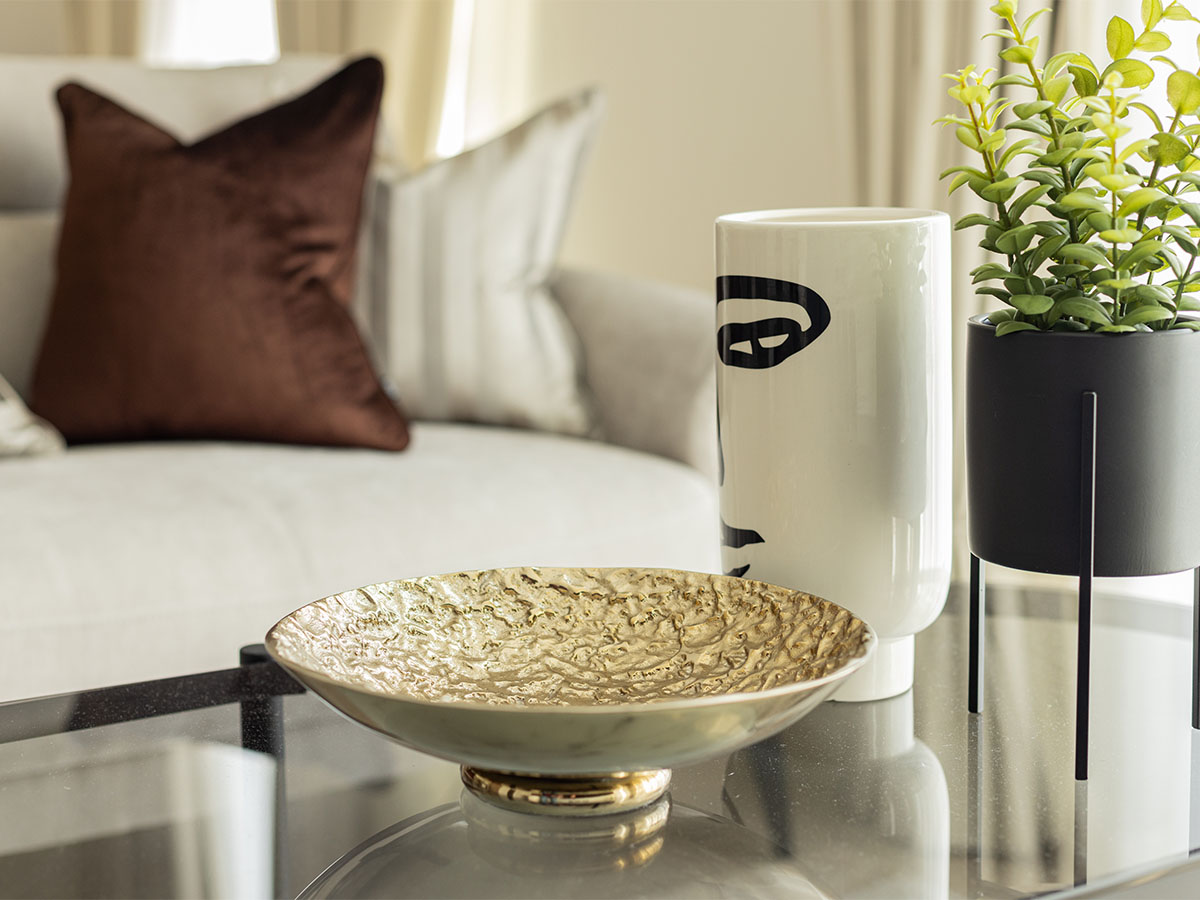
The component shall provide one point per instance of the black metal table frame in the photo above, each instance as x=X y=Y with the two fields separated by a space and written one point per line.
x=257 y=685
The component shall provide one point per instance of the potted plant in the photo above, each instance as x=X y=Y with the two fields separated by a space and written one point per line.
x=1083 y=389
x=1094 y=235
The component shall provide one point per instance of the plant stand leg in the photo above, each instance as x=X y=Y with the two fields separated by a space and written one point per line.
x=1081 y=833
x=975 y=806
x=1196 y=649
x=1087 y=548
x=975 y=637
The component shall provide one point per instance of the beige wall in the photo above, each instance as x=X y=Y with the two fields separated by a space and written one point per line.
x=713 y=107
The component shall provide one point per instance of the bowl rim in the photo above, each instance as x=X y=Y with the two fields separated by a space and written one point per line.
x=870 y=643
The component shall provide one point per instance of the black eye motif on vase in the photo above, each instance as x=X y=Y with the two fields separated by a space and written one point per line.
x=769 y=342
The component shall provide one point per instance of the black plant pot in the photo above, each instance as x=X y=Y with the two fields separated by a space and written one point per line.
x=1024 y=429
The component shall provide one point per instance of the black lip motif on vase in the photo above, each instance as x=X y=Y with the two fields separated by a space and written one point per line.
x=795 y=336
x=795 y=339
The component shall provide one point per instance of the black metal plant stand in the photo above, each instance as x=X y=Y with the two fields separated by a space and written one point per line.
x=1087 y=566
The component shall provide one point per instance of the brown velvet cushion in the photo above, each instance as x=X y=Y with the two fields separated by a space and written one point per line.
x=202 y=291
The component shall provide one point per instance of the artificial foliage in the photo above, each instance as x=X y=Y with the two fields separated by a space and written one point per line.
x=1092 y=227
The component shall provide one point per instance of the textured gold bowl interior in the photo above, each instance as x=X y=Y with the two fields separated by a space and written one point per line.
x=570 y=637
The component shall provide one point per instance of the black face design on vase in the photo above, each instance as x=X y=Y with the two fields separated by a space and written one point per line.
x=762 y=350
x=795 y=335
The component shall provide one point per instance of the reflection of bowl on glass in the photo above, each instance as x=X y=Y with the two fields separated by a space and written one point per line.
x=589 y=682
x=475 y=849
x=852 y=784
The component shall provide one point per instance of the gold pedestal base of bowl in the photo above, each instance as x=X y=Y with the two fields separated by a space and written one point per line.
x=584 y=795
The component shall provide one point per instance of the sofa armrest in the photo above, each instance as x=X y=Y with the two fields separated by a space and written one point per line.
x=649 y=353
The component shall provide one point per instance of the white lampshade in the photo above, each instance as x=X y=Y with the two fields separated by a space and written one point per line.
x=198 y=33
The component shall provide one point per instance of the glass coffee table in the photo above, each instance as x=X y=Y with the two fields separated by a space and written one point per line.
x=235 y=784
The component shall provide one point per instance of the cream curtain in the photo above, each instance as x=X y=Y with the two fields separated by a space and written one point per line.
x=101 y=27
x=412 y=37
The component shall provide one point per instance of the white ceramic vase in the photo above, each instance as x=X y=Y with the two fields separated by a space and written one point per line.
x=834 y=415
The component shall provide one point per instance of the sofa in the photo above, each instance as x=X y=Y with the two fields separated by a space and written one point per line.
x=127 y=561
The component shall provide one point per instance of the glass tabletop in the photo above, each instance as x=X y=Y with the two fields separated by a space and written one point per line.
x=907 y=797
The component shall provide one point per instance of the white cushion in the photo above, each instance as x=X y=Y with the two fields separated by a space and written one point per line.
x=21 y=432
x=134 y=561
x=186 y=102
x=462 y=318
x=27 y=242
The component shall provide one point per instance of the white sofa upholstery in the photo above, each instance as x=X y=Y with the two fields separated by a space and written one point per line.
x=125 y=562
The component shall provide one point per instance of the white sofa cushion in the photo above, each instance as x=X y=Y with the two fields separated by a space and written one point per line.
x=21 y=432
x=134 y=561
x=27 y=240
x=458 y=305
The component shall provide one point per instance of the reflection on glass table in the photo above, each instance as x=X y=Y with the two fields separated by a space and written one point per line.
x=907 y=797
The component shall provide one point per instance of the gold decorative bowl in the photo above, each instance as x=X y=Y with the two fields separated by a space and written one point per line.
x=572 y=690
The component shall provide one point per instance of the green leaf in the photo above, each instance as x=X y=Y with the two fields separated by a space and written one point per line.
x=1032 y=108
x=1083 y=200
x=1056 y=88
x=1114 y=182
x=1152 y=42
x=1034 y=126
x=1056 y=157
x=1119 y=38
x=1177 y=12
x=1183 y=92
x=992 y=141
x=1152 y=12
x=1143 y=249
x=959 y=181
x=998 y=293
x=1031 y=304
x=1000 y=191
x=1018 y=53
x=1115 y=329
x=1192 y=210
x=967 y=137
x=1016 y=148
x=1051 y=178
x=1134 y=72
x=1085 y=308
x=1068 y=270
x=996 y=316
x=1152 y=293
x=1069 y=325
x=1135 y=147
x=1044 y=250
x=1011 y=325
x=1120 y=235
x=1190 y=326
x=1138 y=199
x=1026 y=200
x=1119 y=284
x=1086 y=83
x=1150 y=113
x=1083 y=253
x=1167 y=149
x=973 y=219
x=1145 y=315
x=988 y=271
x=1015 y=240
x=1019 y=284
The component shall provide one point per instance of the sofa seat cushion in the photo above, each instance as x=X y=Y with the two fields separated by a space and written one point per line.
x=136 y=561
